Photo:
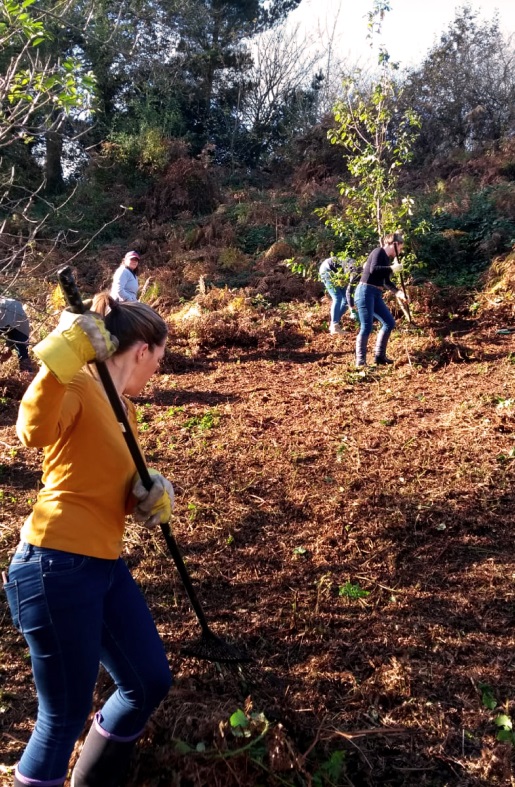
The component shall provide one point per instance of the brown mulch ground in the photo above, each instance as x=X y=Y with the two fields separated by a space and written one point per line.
x=353 y=531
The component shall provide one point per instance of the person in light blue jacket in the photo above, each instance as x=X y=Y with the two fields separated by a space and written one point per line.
x=15 y=329
x=342 y=298
x=125 y=280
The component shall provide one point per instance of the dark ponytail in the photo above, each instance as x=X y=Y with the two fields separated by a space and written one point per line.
x=130 y=322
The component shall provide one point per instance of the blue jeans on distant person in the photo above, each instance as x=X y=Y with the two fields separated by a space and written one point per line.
x=76 y=612
x=369 y=303
x=338 y=298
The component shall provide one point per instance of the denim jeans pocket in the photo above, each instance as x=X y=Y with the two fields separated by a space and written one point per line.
x=54 y=562
x=11 y=591
x=26 y=595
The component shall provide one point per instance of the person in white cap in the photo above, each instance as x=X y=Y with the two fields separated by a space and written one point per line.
x=125 y=280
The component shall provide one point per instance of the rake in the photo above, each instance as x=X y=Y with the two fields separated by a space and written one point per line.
x=209 y=647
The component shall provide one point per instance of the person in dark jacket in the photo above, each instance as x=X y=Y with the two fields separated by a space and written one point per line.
x=375 y=278
x=342 y=298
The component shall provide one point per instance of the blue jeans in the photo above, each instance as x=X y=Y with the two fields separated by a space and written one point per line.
x=76 y=612
x=369 y=303
x=338 y=298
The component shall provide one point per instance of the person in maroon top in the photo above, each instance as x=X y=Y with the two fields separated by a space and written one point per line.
x=381 y=263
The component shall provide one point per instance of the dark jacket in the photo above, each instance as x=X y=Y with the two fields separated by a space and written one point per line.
x=377 y=270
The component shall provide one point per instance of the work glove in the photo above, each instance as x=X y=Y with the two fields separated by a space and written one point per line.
x=401 y=296
x=353 y=314
x=396 y=266
x=77 y=340
x=155 y=506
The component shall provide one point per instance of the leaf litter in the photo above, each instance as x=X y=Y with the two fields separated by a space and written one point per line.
x=351 y=530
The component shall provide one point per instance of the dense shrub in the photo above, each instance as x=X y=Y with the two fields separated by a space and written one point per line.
x=187 y=186
x=252 y=239
x=463 y=232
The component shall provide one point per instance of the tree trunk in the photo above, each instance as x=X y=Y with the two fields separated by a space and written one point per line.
x=53 y=158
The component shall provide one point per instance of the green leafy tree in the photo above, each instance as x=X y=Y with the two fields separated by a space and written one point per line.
x=210 y=60
x=280 y=101
x=47 y=84
x=40 y=88
x=178 y=67
x=464 y=91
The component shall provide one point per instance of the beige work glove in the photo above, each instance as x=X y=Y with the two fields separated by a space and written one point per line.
x=77 y=340
x=401 y=296
x=155 y=506
x=396 y=266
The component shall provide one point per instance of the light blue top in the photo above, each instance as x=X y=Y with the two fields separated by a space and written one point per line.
x=125 y=285
x=12 y=315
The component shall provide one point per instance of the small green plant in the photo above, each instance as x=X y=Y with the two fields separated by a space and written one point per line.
x=505 y=729
x=251 y=728
x=255 y=238
x=141 y=413
x=342 y=449
x=173 y=411
x=352 y=592
x=209 y=420
x=487 y=698
x=501 y=458
x=387 y=422
x=192 y=511
x=504 y=403
x=330 y=771
x=243 y=726
x=502 y=721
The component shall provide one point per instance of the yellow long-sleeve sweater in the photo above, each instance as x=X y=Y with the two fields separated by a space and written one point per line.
x=87 y=468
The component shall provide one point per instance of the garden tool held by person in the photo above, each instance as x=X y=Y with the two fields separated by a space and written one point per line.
x=404 y=305
x=209 y=647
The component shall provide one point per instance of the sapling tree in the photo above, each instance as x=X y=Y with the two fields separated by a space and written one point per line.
x=377 y=139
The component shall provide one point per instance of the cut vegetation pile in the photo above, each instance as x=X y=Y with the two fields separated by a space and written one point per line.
x=352 y=530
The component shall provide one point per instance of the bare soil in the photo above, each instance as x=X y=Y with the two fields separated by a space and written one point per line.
x=352 y=531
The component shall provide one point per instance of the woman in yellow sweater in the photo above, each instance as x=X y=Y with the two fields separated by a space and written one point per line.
x=70 y=593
